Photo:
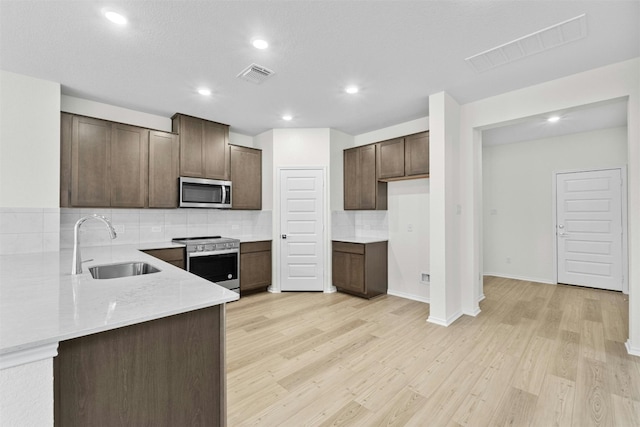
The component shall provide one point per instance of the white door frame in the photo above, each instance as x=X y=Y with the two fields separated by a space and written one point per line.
x=327 y=286
x=554 y=224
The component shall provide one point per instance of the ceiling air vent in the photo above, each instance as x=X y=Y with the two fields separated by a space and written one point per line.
x=545 y=39
x=255 y=74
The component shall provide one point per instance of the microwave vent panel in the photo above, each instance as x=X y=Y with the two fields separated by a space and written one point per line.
x=255 y=74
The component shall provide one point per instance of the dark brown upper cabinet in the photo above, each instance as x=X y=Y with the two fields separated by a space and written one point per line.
x=362 y=190
x=404 y=158
x=391 y=159
x=246 y=177
x=164 y=164
x=204 y=149
x=103 y=164
x=128 y=164
x=416 y=149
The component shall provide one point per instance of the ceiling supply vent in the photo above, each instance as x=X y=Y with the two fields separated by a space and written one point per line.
x=255 y=74
x=545 y=39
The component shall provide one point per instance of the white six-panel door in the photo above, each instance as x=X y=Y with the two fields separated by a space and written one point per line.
x=589 y=228
x=301 y=228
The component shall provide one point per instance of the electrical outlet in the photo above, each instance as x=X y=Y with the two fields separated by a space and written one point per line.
x=156 y=229
x=410 y=228
x=508 y=260
x=425 y=278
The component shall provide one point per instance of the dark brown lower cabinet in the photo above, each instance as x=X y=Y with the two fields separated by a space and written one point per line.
x=164 y=372
x=255 y=266
x=173 y=256
x=360 y=268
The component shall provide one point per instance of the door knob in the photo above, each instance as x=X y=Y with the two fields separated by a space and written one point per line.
x=284 y=237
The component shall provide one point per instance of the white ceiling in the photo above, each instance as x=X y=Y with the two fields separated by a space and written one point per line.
x=398 y=52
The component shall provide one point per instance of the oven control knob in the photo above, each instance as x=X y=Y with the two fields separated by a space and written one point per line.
x=199 y=248
x=209 y=247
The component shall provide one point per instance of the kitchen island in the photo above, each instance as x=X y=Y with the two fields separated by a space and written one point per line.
x=44 y=309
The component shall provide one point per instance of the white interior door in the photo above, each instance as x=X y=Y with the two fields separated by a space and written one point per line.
x=301 y=228
x=589 y=228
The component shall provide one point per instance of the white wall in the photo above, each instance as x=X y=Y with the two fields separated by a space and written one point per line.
x=26 y=395
x=29 y=142
x=621 y=80
x=401 y=129
x=517 y=197
x=408 y=216
x=85 y=107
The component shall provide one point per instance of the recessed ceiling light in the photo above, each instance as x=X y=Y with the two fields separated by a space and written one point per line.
x=287 y=117
x=553 y=119
x=115 y=17
x=204 y=91
x=260 y=44
x=351 y=89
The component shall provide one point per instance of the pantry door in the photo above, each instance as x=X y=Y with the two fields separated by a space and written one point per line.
x=589 y=228
x=301 y=230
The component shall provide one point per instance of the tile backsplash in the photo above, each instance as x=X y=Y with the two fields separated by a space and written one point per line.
x=29 y=230
x=32 y=230
x=359 y=224
x=161 y=225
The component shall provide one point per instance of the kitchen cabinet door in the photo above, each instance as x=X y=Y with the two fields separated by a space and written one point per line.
x=367 y=177
x=255 y=265
x=173 y=256
x=191 y=145
x=129 y=166
x=361 y=188
x=416 y=161
x=90 y=153
x=246 y=178
x=164 y=163
x=204 y=147
x=66 y=130
x=392 y=158
x=351 y=181
x=360 y=269
x=216 y=153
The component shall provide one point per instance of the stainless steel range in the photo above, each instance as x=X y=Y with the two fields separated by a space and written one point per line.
x=214 y=258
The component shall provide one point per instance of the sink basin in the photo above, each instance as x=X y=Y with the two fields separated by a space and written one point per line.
x=125 y=269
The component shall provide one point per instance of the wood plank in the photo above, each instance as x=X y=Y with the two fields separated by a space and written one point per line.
x=516 y=409
x=555 y=403
x=533 y=365
x=565 y=357
x=592 y=405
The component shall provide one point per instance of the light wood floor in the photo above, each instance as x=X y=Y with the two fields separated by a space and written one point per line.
x=539 y=355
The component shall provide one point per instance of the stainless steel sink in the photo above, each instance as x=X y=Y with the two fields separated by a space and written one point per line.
x=125 y=269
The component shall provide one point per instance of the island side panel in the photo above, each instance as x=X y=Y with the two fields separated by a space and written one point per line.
x=164 y=372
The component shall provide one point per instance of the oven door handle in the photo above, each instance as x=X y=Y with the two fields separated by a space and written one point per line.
x=210 y=253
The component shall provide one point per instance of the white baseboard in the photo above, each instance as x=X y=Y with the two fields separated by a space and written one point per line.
x=634 y=351
x=445 y=322
x=474 y=313
x=409 y=296
x=527 y=279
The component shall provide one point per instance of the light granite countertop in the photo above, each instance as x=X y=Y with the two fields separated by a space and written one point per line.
x=361 y=240
x=42 y=303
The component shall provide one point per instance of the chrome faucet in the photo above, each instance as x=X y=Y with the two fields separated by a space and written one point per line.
x=76 y=264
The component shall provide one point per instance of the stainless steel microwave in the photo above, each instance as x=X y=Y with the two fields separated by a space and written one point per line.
x=204 y=193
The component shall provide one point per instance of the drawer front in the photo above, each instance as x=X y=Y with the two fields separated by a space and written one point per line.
x=247 y=247
x=352 y=248
x=169 y=254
